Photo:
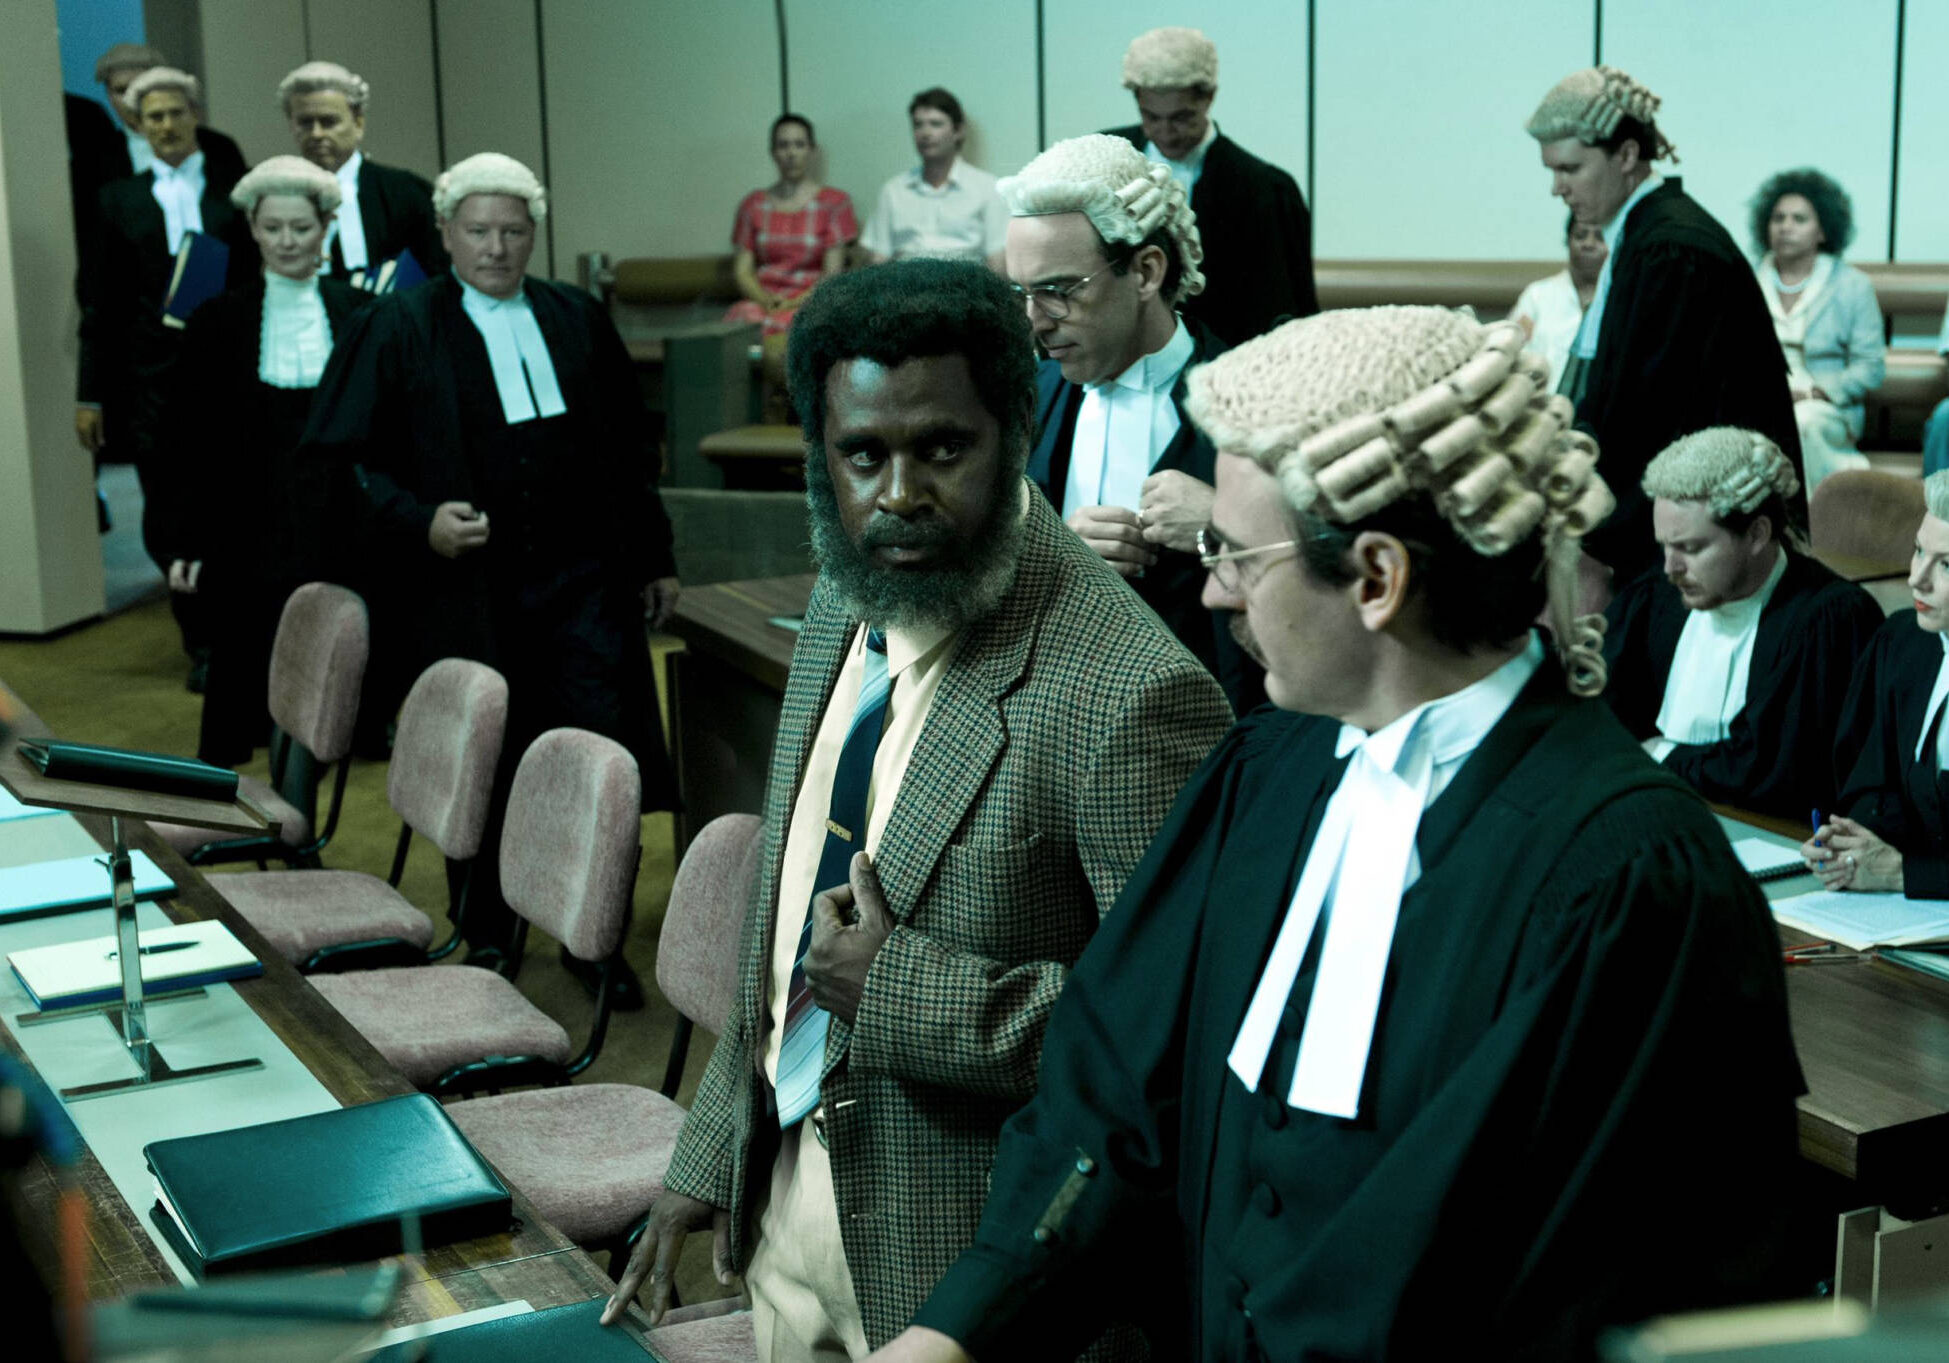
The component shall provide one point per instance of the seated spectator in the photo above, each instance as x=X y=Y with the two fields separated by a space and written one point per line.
x=1935 y=435
x=943 y=207
x=1731 y=662
x=1551 y=310
x=1892 y=748
x=256 y=528
x=1824 y=312
x=788 y=237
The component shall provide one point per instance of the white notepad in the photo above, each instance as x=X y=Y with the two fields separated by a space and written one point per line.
x=1764 y=860
x=183 y=956
x=74 y=883
x=11 y=809
x=1860 y=921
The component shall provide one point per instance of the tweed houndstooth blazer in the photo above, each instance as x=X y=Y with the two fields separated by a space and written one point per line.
x=1066 y=722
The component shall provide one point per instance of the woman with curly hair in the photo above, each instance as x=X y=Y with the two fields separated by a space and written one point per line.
x=1824 y=312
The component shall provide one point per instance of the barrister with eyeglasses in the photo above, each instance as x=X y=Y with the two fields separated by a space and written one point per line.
x=1102 y=249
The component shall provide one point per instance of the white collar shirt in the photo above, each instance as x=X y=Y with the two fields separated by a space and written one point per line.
x=1586 y=346
x=1363 y=861
x=1706 y=689
x=524 y=372
x=1123 y=427
x=963 y=218
x=179 y=193
x=1188 y=171
x=348 y=224
x=296 y=337
x=1936 y=699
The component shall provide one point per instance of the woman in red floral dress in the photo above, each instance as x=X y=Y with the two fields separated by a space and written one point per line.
x=790 y=236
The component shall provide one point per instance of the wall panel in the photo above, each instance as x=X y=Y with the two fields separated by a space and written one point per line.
x=853 y=79
x=1922 y=206
x=1751 y=90
x=490 y=85
x=248 y=46
x=656 y=121
x=390 y=43
x=1420 y=145
x=1261 y=44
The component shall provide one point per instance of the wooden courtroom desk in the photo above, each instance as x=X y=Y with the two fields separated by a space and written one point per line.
x=1873 y=1040
x=725 y=692
x=533 y=1261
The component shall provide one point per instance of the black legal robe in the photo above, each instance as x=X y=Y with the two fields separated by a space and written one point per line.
x=396 y=210
x=1686 y=343
x=1900 y=799
x=1582 y=1044
x=409 y=411
x=1174 y=584
x=262 y=523
x=127 y=354
x=1258 y=240
x=1777 y=756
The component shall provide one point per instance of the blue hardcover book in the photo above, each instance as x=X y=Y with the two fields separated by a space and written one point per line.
x=202 y=266
x=50 y=887
x=397 y=275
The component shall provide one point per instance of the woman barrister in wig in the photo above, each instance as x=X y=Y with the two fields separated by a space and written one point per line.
x=257 y=526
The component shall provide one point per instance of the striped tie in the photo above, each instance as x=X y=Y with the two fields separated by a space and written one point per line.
x=802 y=1052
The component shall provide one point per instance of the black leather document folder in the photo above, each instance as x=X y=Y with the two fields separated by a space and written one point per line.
x=158 y=772
x=559 y=1332
x=325 y=1189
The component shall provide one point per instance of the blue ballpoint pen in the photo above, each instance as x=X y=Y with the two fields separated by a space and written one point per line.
x=1817 y=842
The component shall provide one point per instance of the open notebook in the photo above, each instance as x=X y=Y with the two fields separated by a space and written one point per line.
x=1861 y=921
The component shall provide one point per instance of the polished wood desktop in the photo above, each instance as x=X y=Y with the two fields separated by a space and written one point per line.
x=1873 y=1040
x=532 y=1261
x=725 y=692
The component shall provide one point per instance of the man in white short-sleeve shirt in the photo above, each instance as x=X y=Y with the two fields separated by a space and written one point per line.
x=943 y=207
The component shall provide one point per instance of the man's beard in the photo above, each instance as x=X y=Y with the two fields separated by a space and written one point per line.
x=964 y=586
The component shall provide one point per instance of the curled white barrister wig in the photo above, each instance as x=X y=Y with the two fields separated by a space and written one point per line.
x=1731 y=469
x=287 y=175
x=164 y=78
x=489 y=173
x=1124 y=196
x=317 y=78
x=1589 y=104
x=1171 y=59
x=1354 y=410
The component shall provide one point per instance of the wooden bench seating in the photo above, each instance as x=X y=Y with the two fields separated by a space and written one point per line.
x=662 y=291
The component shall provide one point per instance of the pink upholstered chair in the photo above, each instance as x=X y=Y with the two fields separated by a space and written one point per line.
x=568 y=865
x=709 y=1332
x=591 y=1157
x=317 y=665
x=438 y=782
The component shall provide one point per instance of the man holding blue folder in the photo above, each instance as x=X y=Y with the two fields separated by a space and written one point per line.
x=128 y=346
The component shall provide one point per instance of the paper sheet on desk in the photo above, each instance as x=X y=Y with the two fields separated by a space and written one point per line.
x=1865 y=920
x=1767 y=861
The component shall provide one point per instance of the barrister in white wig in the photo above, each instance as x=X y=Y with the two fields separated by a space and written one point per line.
x=383 y=210
x=496 y=431
x=1103 y=248
x=1383 y=1045
x=255 y=523
x=1731 y=660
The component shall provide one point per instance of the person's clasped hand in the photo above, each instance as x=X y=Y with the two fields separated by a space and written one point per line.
x=850 y=923
x=1115 y=535
x=1173 y=507
x=457 y=529
x=660 y=599
x=672 y=1218
x=1847 y=856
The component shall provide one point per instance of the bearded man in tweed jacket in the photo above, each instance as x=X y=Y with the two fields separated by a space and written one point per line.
x=1040 y=721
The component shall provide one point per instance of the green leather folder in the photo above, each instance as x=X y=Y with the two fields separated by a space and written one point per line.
x=158 y=772
x=330 y=1188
